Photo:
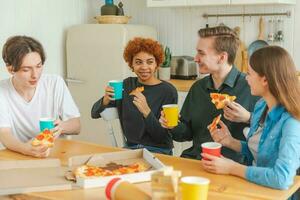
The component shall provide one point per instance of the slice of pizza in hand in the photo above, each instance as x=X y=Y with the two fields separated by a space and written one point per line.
x=138 y=89
x=44 y=138
x=214 y=123
x=220 y=99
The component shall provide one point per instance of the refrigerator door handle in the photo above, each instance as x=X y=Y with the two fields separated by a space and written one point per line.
x=73 y=80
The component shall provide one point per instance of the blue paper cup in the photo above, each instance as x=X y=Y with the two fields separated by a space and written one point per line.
x=118 y=88
x=46 y=123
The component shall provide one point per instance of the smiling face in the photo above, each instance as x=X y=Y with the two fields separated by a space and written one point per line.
x=258 y=84
x=144 y=66
x=207 y=58
x=30 y=71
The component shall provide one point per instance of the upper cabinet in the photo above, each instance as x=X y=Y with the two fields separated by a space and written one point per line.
x=207 y=2
x=174 y=3
x=257 y=2
x=166 y=3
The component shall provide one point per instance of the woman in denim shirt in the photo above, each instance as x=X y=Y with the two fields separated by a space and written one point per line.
x=273 y=143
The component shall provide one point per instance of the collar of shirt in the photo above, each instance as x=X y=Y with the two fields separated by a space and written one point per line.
x=276 y=112
x=273 y=116
x=229 y=80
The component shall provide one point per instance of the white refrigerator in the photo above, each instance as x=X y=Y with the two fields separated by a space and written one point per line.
x=95 y=56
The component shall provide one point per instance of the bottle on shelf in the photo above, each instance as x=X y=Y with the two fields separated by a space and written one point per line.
x=109 y=8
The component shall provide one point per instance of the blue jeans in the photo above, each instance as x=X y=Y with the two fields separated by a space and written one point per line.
x=166 y=151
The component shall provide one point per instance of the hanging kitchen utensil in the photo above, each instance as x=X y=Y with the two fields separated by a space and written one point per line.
x=260 y=42
x=244 y=61
x=279 y=31
x=271 y=34
x=239 y=58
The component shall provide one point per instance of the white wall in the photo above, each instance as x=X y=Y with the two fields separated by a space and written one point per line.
x=297 y=34
x=48 y=21
x=178 y=27
x=45 y=20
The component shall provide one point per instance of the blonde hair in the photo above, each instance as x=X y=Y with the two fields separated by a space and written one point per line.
x=278 y=67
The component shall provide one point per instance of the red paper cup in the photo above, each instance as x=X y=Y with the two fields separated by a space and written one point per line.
x=211 y=148
x=109 y=187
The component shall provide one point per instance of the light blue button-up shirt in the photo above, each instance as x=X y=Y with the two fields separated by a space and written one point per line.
x=278 y=154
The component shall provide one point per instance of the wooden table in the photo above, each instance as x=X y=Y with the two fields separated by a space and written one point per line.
x=221 y=187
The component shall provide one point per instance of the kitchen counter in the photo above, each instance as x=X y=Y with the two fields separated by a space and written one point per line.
x=185 y=85
x=182 y=85
x=223 y=187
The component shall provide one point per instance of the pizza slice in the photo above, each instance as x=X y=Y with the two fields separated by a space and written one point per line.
x=129 y=169
x=214 y=123
x=44 y=138
x=220 y=99
x=138 y=89
x=88 y=171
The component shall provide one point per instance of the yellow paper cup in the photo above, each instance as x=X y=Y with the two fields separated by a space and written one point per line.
x=171 y=114
x=194 y=188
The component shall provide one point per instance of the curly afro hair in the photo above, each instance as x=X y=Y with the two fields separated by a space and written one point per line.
x=147 y=45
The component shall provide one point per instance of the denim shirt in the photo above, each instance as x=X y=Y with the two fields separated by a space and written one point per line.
x=278 y=153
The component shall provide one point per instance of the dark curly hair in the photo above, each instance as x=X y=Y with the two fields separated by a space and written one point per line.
x=147 y=45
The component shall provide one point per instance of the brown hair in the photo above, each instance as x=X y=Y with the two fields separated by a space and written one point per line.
x=16 y=48
x=277 y=66
x=146 y=45
x=226 y=40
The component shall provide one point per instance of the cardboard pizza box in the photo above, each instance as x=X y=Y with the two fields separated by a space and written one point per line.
x=123 y=157
x=24 y=176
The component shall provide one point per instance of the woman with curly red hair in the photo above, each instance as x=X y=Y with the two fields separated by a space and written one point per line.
x=139 y=111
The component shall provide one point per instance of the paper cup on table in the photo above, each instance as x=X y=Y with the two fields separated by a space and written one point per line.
x=211 y=148
x=117 y=85
x=194 y=188
x=46 y=123
x=171 y=112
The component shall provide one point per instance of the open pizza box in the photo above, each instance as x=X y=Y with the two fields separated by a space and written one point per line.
x=24 y=176
x=143 y=156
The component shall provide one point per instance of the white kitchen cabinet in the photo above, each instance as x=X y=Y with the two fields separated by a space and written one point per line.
x=166 y=3
x=207 y=3
x=258 y=2
x=174 y=3
x=181 y=98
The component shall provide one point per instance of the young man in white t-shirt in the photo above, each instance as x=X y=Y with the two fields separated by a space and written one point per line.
x=28 y=96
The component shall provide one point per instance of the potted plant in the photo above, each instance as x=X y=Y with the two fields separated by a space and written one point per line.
x=165 y=71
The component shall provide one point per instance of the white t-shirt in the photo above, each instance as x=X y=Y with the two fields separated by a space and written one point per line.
x=51 y=99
